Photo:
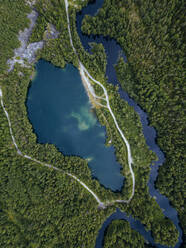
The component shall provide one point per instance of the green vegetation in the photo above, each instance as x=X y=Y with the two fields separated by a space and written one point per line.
x=40 y=207
x=39 y=29
x=120 y=235
x=152 y=37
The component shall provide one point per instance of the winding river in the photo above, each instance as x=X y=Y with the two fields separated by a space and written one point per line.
x=113 y=50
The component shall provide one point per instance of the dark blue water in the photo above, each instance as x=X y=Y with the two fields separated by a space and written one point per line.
x=61 y=114
x=113 y=50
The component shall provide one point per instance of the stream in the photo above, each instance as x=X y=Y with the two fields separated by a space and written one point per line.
x=113 y=50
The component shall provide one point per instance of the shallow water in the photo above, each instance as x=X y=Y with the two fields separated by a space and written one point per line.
x=60 y=112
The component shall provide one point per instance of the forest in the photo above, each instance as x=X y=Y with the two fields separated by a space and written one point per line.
x=40 y=207
x=152 y=36
x=119 y=234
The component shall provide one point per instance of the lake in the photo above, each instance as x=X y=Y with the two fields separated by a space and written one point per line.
x=61 y=114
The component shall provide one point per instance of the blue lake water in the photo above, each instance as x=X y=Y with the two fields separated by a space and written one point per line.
x=61 y=114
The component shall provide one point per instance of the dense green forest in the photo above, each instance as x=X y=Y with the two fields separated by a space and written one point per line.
x=120 y=235
x=40 y=207
x=151 y=34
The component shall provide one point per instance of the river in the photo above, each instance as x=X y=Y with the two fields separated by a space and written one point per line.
x=113 y=50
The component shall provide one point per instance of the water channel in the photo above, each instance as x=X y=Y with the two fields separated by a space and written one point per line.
x=113 y=50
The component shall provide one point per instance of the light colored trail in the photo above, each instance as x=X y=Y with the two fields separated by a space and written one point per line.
x=86 y=76
x=101 y=204
x=9 y=123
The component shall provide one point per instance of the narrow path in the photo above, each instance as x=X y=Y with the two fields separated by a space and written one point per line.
x=84 y=72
